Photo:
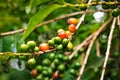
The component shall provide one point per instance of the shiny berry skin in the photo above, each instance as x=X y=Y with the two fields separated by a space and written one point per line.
x=60 y=30
x=72 y=28
x=62 y=34
x=57 y=40
x=72 y=21
x=31 y=44
x=51 y=42
x=68 y=33
x=34 y=72
x=115 y=12
x=44 y=46
x=24 y=47
x=55 y=75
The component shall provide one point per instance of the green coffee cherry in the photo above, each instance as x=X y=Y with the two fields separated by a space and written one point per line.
x=65 y=42
x=59 y=47
x=31 y=44
x=77 y=65
x=57 y=40
x=83 y=7
x=116 y=12
x=39 y=68
x=46 y=62
x=105 y=6
x=61 y=68
x=66 y=58
x=39 y=77
x=57 y=62
x=51 y=42
x=73 y=72
x=31 y=62
x=36 y=49
x=24 y=47
x=52 y=56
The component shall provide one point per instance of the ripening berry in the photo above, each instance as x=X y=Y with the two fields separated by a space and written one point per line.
x=72 y=21
x=55 y=75
x=68 y=33
x=72 y=28
x=34 y=72
x=44 y=46
x=62 y=34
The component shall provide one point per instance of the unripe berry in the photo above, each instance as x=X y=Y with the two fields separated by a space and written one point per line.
x=24 y=47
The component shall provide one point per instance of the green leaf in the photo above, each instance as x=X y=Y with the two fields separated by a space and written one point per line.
x=60 y=1
x=39 y=17
x=37 y=2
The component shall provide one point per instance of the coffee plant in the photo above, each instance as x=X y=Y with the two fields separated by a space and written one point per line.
x=60 y=40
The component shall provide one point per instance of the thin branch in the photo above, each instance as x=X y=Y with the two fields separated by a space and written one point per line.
x=97 y=48
x=52 y=20
x=118 y=21
x=95 y=35
x=108 y=49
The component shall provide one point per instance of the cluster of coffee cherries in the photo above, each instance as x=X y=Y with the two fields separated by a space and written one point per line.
x=115 y=7
x=51 y=64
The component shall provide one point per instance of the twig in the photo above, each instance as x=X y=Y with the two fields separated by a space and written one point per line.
x=118 y=21
x=108 y=49
x=90 y=46
x=52 y=20
x=97 y=48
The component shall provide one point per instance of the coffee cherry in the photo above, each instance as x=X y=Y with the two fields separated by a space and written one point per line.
x=72 y=28
x=34 y=72
x=24 y=47
x=57 y=62
x=57 y=40
x=59 y=47
x=60 y=30
x=76 y=65
x=52 y=56
x=70 y=46
x=51 y=42
x=36 y=49
x=73 y=72
x=56 y=74
x=50 y=71
x=115 y=12
x=39 y=77
x=66 y=58
x=39 y=68
x=44 y=46
x=62 y=34
x=105 y=6
x=31 y=62
x=45 y=72
x=72 y=21
x=31 y=44
x=61 y=68
x=46 y=62
x=60 y=56
x=65 y=42
x=68 y=33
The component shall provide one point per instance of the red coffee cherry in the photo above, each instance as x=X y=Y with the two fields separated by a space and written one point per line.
x=62 y=34
x=72 y=21
x=55 y=75
x=72 y=28
x=44 y=46
x=34 y=72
